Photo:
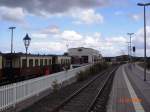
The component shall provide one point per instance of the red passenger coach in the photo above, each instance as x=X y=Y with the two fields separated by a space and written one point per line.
x=16 y=66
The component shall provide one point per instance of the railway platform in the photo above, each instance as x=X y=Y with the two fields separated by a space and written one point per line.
x=129 y=92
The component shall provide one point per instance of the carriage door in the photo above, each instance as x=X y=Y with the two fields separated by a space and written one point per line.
x=8 y=70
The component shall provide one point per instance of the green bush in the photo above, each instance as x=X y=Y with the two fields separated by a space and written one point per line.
x=81 y=76
x=148 y=64
x=93 y=70
x=55 y=86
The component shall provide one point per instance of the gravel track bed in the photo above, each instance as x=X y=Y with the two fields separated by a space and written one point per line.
x=52 y=100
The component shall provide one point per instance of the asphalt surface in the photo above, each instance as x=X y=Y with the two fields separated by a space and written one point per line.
x=129 y=92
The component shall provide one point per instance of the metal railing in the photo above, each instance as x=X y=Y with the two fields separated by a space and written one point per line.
x=14 y=93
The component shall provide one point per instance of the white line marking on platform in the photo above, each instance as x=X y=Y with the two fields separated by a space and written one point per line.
x=137 y=105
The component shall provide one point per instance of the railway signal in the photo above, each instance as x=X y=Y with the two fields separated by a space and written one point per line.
x=130 y=49
x=134 y=49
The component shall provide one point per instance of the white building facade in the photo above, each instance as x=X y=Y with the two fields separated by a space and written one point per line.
x=84 y=55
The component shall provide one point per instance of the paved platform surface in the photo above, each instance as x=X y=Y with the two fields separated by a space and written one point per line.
x=129 y=92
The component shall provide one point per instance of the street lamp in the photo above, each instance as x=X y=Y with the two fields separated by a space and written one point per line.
x=144 y=5
x=130 y=34
x=26 y=41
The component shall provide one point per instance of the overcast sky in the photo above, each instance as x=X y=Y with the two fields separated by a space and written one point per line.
x=54 y=24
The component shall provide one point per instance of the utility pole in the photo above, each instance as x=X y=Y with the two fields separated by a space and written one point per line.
x=145 y=58
x=11 y=76
x=130 y=44
x=12 y=28
x=128 y=49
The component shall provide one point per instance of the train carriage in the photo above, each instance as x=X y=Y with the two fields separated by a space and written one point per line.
x=16 y=66
x=59 y=62
x=36 y=64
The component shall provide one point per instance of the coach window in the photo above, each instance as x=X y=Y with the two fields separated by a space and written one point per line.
x=45 y=62
x=36 y=62
x=41 y=62
x=30 y=62
x=8 y=63
x=50 y=62
x=67 y=61
x=64 y=61
x=61 y=61
x=24 y=63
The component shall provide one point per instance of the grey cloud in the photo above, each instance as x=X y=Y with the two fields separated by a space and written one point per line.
x=52 y=6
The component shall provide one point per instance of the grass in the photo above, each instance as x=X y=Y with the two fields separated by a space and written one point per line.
x=55 y=86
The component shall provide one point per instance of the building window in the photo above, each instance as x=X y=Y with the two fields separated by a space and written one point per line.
x=41 y=62
x=85 y=59
x=36 y=62
x=8 y=64
x=24 y=63
x=30 y=62
x=45 y=62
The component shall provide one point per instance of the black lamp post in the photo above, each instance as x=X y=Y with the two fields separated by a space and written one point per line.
x=145 y=58
x=26 y=41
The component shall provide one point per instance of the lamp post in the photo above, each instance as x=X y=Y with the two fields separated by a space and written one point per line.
x=144 y=5
x=128 y=49
x=26 y=41
x=130 y=34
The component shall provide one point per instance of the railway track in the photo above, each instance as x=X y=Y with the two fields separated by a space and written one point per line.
x=92 y=97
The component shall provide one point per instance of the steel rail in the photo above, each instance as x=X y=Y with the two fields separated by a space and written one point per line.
x=100 y=91
x=57 y=108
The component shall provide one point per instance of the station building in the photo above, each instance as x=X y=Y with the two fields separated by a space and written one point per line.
x=82 y=55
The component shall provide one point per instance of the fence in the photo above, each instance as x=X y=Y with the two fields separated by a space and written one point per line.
x=14 y=93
